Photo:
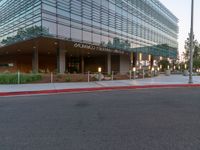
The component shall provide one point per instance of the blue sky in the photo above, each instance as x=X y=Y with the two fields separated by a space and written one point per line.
x=182 y=9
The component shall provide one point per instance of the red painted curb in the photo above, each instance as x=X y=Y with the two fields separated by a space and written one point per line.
x=95 y=89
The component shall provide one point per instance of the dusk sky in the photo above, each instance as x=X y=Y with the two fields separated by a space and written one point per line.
x=182 y=9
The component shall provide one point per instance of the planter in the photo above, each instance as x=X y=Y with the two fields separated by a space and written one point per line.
x=186 y=73
x=167 y=72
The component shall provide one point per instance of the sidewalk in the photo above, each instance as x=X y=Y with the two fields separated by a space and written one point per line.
x=160 y=81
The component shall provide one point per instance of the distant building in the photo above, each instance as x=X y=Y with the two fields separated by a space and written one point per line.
x=82 y=35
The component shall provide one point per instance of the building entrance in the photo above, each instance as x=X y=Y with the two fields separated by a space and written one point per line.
x=73 y=64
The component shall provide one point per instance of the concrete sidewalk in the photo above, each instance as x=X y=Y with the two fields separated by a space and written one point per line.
x=148 y=82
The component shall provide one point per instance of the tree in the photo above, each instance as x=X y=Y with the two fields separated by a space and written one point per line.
x=187 y=49
x=196 y=53
x=196 y=63
x=165 y=63
x=24 y=34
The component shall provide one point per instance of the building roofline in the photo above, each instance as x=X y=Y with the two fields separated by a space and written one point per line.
x=159 y=4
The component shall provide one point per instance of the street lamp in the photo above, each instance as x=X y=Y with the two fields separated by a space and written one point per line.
x=191 y=43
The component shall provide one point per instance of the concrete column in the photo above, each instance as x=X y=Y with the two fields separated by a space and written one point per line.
x=109 y=63
x=132 y=59
x=82 y=65
x=35 y=60
x=151 y=62
x=61 y=64
x=124 y=64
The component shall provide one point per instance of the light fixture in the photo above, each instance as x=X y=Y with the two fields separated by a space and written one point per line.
x=134 y=69
x=140 y=56
x=185 y=66
x=99 y=69
x=152 y=69
x=149 y=57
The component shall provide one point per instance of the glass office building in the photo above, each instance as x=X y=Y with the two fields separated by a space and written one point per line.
x=134 y=28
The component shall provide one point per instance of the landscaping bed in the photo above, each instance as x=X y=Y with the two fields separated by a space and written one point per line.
x=14 y=78
x=8 y=78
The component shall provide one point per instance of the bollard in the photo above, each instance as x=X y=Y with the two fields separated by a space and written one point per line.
x=99 y=76
x=51 y=77
x=151 y=73
x=88 y=76
x=112 y=77
x=134 y=74
x=130 y=74
x=143 y=73
x=18 y=77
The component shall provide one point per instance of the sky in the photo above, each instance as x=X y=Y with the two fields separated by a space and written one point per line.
x=182 y=10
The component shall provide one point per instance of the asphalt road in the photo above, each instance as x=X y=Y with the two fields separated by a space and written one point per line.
x=151 y=119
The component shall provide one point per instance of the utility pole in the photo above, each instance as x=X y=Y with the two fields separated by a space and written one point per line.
x=191 y=44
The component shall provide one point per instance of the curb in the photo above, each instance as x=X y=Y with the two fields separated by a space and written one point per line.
x=79 y=90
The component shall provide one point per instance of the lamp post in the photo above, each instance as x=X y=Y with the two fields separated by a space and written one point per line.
x=99 y=73
x=191 y=43
x=134 y=71
x=153 y=71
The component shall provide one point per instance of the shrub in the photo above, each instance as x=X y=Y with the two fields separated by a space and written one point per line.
x=8 y=78
x=109 y=75
x=59 y=76
x=68 y=78
x=80 y=79
x=26 y=78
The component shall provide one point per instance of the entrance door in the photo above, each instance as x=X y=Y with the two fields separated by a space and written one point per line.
x=73 y=64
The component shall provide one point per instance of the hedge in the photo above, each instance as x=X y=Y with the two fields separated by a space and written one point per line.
x=7 y=78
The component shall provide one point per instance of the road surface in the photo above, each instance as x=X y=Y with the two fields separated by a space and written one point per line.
x=147 y=119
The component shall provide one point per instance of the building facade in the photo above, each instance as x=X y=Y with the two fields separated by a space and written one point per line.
x=82 y=35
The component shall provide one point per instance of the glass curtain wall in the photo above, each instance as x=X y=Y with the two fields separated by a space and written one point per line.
x=19 y=20
x=132 y=25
